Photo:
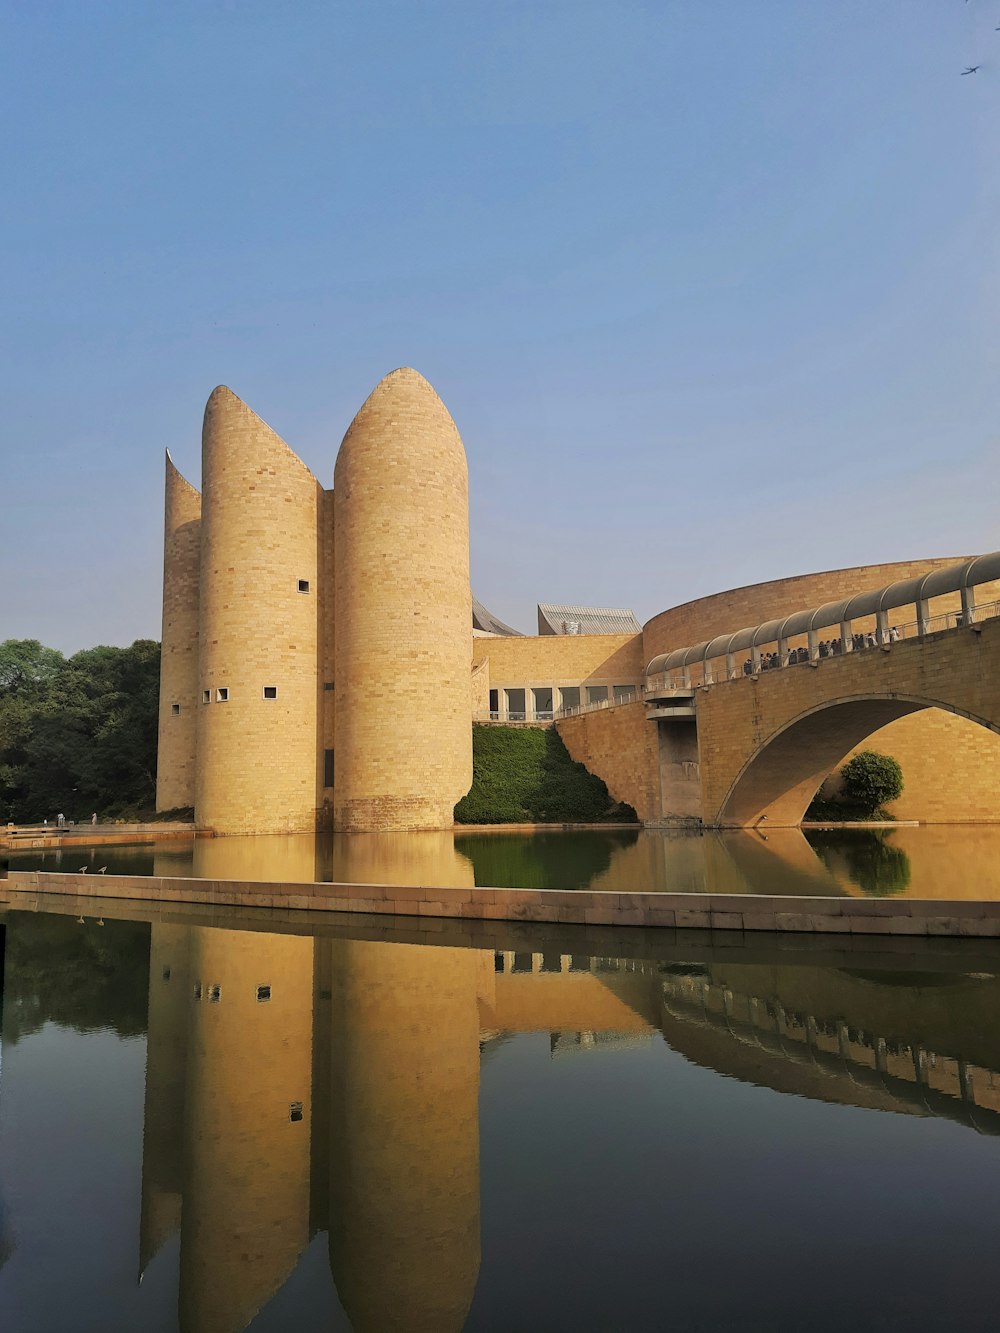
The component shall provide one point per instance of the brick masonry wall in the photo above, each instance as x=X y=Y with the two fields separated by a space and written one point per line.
x=620 y=746
x=950 y=767
x=481 y=687
x=561 y=659
x=256 y=756
x=949 y=764
x=327 y=644
x=177 y=739
x=403 y=609
x=748 y=717
x=737 y=608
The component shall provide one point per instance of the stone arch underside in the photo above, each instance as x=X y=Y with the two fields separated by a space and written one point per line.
x=783 y=774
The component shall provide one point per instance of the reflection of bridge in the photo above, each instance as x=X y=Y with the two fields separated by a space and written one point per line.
x=769 y=729
x=834 y=1060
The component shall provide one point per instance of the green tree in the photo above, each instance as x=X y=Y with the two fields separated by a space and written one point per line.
x=77 y=734
x=870 y=780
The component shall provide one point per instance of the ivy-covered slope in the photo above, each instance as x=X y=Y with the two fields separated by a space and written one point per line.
x=526 y=775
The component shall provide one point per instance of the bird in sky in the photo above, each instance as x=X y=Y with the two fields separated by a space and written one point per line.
x=970 y=69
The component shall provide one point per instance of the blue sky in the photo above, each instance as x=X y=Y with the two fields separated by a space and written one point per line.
x=710 y=288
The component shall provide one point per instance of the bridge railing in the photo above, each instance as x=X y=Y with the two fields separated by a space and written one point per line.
x=801 y=648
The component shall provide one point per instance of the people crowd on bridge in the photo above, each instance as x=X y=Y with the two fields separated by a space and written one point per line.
x=826 y=648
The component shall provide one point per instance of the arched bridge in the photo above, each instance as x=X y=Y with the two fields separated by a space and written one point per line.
x=779 y=706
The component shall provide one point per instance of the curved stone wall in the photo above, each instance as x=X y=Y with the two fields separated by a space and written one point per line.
x=951 y=766
x=725 y=612
x=259 y=631
x=403 y=608
x=176 y=749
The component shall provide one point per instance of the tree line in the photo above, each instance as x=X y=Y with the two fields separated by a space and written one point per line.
x=77 y=734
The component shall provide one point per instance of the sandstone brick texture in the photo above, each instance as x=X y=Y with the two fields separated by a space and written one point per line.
x=559 y=660
x=766 y=743
x=403 y=609
x=258 y=631
x=620 y=746
x=727 y=612
x=176 y=746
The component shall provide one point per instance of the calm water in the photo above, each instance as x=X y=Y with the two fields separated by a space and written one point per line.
x=957 y=861
x=395 y=1136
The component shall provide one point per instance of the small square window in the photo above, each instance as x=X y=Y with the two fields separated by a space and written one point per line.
x=175 y=709
x=270 y=691
x=303 y=585
x=295 y=1112
x=328 y=685
x=222 y=695
x=166 y=974
x=197 y=990
x=215 y=993
x=263 y=994
x=206 y=696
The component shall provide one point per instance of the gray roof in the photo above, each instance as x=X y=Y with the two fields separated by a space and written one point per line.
x=487 y=622
x=554 y=619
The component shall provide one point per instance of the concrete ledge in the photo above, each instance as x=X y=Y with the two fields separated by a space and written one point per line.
x=717 y=913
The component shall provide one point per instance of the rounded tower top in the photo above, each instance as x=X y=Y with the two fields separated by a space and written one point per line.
x=402 y=416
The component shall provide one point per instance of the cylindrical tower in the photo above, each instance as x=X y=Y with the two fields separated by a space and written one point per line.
x=403 y=607
x=176 y=752
x=257 y=686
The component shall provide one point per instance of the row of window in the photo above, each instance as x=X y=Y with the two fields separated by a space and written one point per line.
x=544 y=701
x=222 y=695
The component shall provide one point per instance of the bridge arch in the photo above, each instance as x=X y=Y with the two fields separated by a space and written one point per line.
x=784 y=771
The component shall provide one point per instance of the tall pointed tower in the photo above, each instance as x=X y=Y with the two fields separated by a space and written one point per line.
x=258 y=701
x=403 y=607
x=176 y=751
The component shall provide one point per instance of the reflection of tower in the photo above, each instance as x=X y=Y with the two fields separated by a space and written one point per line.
x=258 y=662
x=285 y=860
x=404 y=1134
x=163 y=1123
x=247 y=1124
x=403 y=606
x=175 y=768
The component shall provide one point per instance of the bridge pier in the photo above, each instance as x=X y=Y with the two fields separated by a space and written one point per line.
x=680 y=772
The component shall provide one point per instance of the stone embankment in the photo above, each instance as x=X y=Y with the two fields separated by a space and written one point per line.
x=721 y=914
x=19 y=837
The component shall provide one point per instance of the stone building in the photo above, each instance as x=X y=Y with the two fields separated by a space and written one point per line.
x=324 y=660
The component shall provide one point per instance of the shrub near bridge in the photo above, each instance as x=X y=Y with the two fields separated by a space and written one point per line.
x=870 y=780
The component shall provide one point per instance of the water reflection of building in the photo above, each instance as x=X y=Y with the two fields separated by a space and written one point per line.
x=345 y=1097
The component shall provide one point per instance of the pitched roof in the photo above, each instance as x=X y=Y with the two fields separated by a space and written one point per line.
x=554 y=619
x=487 y=622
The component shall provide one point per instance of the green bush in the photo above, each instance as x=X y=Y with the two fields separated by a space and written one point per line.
x=525 y=775
x=871 y=780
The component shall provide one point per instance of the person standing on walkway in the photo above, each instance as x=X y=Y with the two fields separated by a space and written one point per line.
x=93 y=819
